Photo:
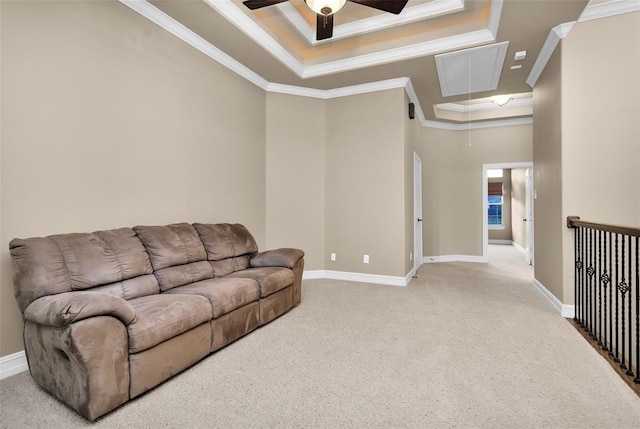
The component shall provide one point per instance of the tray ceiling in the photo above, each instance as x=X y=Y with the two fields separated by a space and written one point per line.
x=277 y=43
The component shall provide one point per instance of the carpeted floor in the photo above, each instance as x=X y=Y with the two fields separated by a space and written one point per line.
x=464 y=345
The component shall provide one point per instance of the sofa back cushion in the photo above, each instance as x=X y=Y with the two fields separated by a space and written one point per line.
x=177 y=254
x=228 y=246
x=112 y=262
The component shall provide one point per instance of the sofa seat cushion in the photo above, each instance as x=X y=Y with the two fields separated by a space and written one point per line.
x=225 y=294
x=160 y=317
x=270 y=279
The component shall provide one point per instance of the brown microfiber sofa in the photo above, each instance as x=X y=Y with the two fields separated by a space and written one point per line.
x=109 y=315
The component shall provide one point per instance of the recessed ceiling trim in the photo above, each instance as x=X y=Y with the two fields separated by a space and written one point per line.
x=397 y=54
x=464 y=108
x=231 y=12
x=163 y=20
x=494 y=17
x=245 y=24
x=471 y=70
x=477 y=125
x=375 y=23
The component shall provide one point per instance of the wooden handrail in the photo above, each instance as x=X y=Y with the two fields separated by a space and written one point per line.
x=575 y=222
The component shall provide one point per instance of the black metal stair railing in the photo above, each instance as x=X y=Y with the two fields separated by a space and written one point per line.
x=607 y=290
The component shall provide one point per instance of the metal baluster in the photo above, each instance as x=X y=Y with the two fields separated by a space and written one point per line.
x=605 y=281
x=589 y=282
x=583 y=292
x=585 y=278
x=611 y=291
x=623 y=288
x=576 y=253
x=637 y=379
x=590 y=273
x=599 y=281
x=599 y=324
x=594 y=289
x=630 y=277
x=616 y=359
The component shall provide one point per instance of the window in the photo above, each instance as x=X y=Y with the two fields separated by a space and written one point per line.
x=495 y=204
x=495 y=210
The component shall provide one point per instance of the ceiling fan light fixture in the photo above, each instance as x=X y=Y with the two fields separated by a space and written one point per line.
x=325 y=7
x=501 y=100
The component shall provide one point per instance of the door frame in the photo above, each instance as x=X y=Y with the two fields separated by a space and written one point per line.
x=417 y=212
x=485 y=206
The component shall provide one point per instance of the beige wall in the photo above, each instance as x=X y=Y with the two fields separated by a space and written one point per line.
x=452 y=182
x=365 y=183
x=295 y=183
x=586 y=151
x=109 y=121
x=505 y=233
x=600 y=127
x=518 y=206
x=547 y=180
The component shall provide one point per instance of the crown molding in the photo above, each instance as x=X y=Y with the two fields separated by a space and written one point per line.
x=555 y=35
x=375 y=23
x=163 y=20
x=603 y=10
x=346 y=91
x=559 y=32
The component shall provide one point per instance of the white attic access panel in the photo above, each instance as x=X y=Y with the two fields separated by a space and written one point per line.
x=471 y=70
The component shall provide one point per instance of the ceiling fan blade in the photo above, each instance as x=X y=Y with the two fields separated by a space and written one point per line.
x=391 y=6
x=257 y=4
x=324 y=27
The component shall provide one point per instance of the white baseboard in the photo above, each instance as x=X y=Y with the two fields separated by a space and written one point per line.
x=358 y=277
x=455 y=258
x=13 y=364
x=496 y=241
x=520 y=248
x=567 y=311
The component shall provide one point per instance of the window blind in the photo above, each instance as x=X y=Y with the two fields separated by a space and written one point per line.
x=495 y=189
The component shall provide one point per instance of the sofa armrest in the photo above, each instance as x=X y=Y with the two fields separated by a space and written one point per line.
x=284 y=257
x=63 y=309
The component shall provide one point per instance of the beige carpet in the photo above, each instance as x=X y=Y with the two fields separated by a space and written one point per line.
x=465 y=345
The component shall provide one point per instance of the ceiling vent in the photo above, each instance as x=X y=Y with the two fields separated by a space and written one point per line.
x=471 y=70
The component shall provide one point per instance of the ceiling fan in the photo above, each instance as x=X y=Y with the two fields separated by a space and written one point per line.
x=325 y=9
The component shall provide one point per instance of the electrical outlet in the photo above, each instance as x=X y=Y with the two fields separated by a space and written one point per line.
x=365 y=259
x=410 y=256
x=333 y=256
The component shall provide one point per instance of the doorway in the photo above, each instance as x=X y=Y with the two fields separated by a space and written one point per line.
x=524 y=220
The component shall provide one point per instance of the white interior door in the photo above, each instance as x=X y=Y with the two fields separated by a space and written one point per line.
x=417 y=211
x=529 y=215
